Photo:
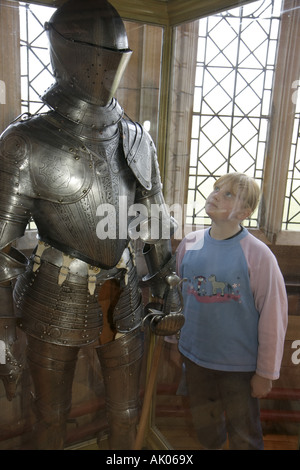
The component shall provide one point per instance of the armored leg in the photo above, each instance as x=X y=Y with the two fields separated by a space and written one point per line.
x=52 y=369
x=120 y=362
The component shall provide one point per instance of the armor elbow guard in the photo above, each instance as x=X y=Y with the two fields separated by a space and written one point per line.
x=156 y=233
x=160 y=263
x=12 y=264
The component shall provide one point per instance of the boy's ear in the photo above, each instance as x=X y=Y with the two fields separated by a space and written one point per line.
x=244 y=213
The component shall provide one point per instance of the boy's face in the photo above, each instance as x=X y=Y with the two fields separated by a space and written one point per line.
x=223 y=204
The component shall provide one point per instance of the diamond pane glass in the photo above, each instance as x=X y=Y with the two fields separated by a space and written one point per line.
x=234 y=79
x=36 y=72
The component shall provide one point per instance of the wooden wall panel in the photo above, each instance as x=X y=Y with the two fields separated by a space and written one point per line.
x=10 y=87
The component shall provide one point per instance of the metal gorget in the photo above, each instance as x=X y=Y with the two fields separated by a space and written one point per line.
x=85 y=115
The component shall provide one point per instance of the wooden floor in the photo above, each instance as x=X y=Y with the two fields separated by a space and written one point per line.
x=174 y=427
x=278 y=442
x=183 y=438
x=272 y=442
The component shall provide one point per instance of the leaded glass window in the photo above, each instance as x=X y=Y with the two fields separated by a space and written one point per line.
x=236 y=62
x=233 y=88
x=36 y=72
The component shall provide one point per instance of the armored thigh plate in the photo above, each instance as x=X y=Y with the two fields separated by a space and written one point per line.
x=121 y=364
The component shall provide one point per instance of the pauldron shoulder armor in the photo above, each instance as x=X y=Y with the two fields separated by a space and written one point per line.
x=58 y=170
x=138 y=149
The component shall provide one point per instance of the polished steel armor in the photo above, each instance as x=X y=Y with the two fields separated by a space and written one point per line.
x=60 y=168
x=99 y=44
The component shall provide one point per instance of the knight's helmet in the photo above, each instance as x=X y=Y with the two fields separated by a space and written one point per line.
x=88 y=49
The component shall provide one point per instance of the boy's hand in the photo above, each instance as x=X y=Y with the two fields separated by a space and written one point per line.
x=260 y=386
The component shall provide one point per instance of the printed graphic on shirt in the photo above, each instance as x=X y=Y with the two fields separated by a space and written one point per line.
x=212 y=290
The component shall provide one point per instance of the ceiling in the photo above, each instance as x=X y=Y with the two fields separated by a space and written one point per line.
x=162 y=12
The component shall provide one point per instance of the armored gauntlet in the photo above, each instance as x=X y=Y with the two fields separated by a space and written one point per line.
x=165 y=312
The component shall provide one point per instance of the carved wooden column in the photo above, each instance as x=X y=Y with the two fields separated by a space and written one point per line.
x=282 y=121
x=10 y=86
x=180 y=111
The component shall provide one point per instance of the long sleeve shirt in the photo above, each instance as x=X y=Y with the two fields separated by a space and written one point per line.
x=235 y=304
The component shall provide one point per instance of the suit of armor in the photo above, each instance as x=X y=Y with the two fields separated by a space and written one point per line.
x=60 y=168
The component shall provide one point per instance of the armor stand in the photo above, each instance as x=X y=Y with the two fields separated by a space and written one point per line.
x=160 y=325
x=148 y=435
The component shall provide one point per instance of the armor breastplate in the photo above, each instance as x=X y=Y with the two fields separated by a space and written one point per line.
x=70 y=181
x=75 y=173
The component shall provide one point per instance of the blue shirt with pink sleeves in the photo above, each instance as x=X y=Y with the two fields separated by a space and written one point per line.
x=235 y=304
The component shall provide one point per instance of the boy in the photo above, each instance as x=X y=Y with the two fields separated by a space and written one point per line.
x=233 y=337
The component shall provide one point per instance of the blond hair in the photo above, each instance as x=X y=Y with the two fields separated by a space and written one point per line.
x=242 y=186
